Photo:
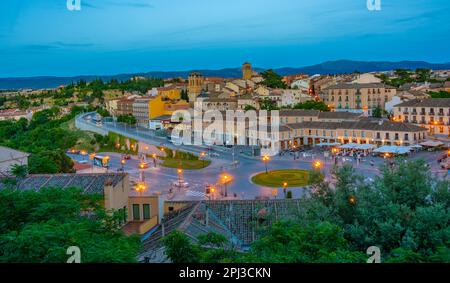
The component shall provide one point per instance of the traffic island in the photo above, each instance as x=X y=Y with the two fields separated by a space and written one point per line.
x=289 y=178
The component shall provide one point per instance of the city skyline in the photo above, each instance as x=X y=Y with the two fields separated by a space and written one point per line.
x=112 y=37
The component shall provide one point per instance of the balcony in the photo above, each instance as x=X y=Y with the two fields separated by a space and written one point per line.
x=406 y=112
x=441 y=113
x=422 y=113
x=431 y=113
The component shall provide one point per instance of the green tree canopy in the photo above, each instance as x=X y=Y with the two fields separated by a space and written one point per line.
x=38 y=227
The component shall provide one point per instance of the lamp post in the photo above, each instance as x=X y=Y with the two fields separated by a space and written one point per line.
x=285 y=184
x=154 y=159
x=266 y=159
x=225 y=180
x=202 y=156
x=180 y=173
x=122 y=163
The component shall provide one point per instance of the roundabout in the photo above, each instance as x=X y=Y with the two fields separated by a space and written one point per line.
x=290 y=178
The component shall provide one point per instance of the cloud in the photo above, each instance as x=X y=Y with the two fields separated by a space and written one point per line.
x=131 y=3
x=58 y=45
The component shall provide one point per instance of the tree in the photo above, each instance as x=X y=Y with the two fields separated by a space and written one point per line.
x=268 y=105
x=179 y=249
x=249 y=107
x=128 y=119
x=19 y=171
x=273 y=80
x=377 y=112
x=423 y=75
x=289 y=242
x=315 y=105
x=50 y=162
x=38 y=227
x=184 y=95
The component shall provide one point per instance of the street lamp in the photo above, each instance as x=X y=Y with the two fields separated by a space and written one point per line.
x=154 y=159
x=352 y=200
x=180 y=173
x=225 y=180
x=285 y=184
x=266 y=159
x=317 y=165
x=202 y=155
x=140 y=188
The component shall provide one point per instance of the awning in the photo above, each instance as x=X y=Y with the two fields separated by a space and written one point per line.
x=415 y=146
x=328 y=144
x=393 y=149
x=432 y=143
x=357 y=146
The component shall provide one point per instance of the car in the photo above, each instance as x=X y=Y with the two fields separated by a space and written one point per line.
x=127 y=157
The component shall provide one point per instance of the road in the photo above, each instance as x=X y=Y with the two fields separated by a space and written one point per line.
x=160 y=179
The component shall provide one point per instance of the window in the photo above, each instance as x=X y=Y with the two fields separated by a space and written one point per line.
x=406 y=137
x=146 y=210
x=387 y=136
x=136 y=212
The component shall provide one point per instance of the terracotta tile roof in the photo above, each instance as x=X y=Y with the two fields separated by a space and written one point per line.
x=369 y=125
x=430 y=102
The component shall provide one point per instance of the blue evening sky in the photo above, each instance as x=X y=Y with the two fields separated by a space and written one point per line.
x=42 y=37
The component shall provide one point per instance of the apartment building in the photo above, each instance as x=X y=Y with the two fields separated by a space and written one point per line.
x=221 y=104
x=141 y=111
x=125 y=106
x=291 y=97
x=358 y=97
x=432 y=114
x=364 y=131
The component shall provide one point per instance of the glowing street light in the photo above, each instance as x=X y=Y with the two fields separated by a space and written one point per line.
x=225 y=180
x=140 y=188
x=285 y=184
x=352 y=200
x=180 y=174
x=317 y=164
x=266 y=159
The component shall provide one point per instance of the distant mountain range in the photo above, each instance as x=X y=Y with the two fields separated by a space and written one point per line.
x=329 y=67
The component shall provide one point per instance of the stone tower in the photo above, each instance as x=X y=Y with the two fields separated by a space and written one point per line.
x=195 y=86
x=247 y=71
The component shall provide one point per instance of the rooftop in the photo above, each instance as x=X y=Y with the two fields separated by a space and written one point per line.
x=369 y=125
x=359 y=86
x=89 y=183
x=7 y=154
x=299 y=112
x=339 y=115
x=430 y=102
